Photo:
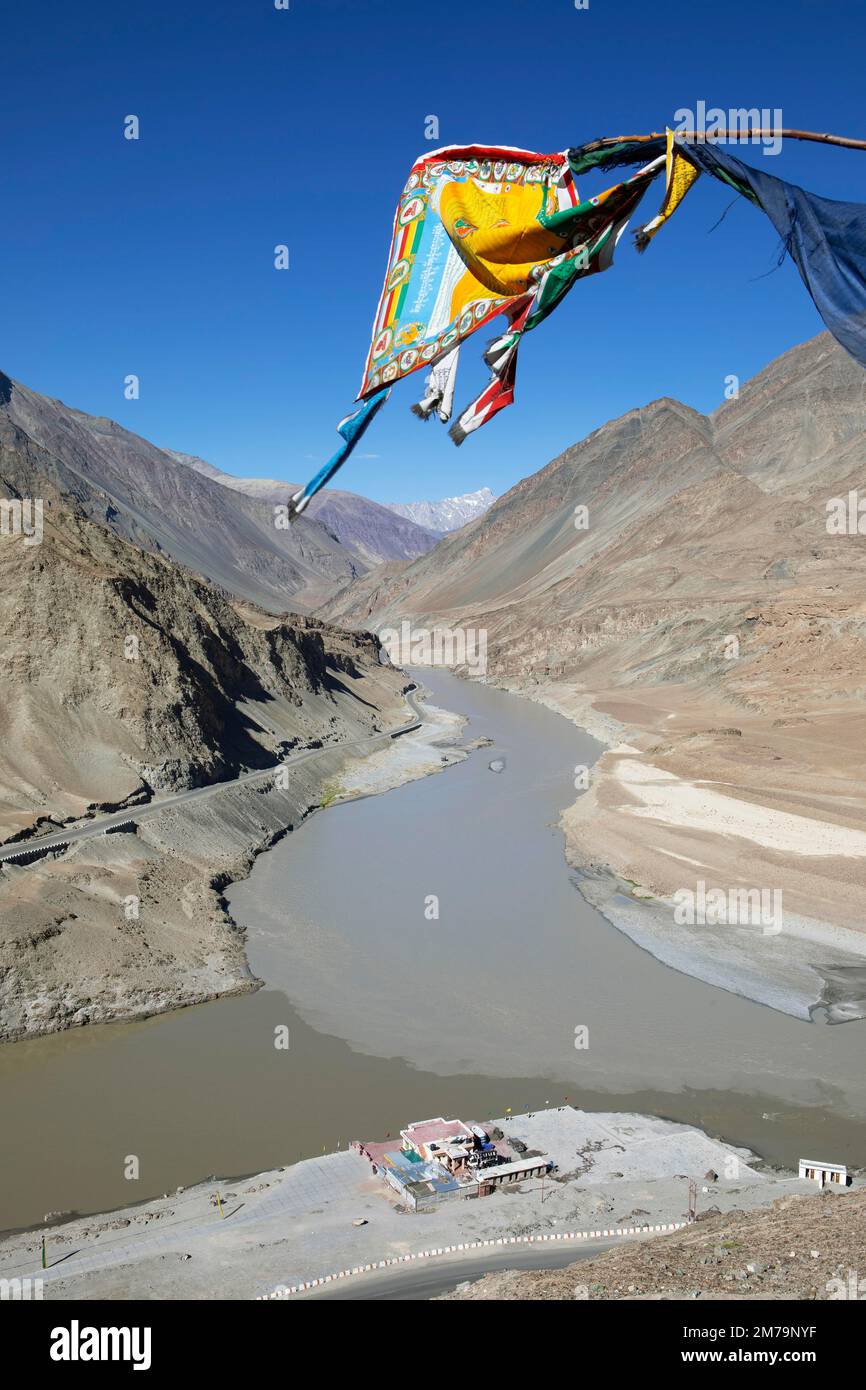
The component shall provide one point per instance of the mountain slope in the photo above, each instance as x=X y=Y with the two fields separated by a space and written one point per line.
x=799 y=1248
x=146 y=496
x=122 y=672
x=683 y=510
x=369 y=531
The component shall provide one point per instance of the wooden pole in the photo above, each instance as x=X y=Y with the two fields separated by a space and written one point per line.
x=822 y=139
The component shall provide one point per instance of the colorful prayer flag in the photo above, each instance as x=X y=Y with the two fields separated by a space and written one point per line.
x=481 y=231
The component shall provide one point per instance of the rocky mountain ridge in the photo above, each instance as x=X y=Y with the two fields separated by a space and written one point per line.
x=370 y=532
x=144 y=495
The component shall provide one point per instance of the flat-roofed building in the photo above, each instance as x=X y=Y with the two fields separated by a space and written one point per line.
x=822 y=1173
x=439 y=1159
x=517 y=1171
x=431 y=1137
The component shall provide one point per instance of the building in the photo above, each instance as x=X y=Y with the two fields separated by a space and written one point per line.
x=439 y=1159
x=513 y=1171
x=431 y=1138
x=822 y=1173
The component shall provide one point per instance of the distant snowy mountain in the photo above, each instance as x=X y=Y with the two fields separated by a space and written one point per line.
x=449 y=514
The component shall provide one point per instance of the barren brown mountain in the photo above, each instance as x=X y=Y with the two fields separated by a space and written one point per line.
x=372 y=533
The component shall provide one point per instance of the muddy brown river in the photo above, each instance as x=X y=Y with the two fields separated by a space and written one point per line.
x=425 y=952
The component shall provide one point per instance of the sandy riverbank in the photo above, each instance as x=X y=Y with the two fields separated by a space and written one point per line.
x=684 y=800
x=406 y=759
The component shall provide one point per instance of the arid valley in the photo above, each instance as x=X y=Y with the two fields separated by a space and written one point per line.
x=720 y=701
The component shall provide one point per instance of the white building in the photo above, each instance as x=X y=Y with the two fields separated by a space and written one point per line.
x=823 y=1172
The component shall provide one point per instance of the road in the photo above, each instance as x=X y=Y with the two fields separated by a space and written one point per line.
x=444 y=1273
x=100 y=824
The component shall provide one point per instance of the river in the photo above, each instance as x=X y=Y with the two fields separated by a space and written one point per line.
x=425 y=952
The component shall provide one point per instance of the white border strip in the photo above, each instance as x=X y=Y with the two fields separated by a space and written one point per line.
x=284 y=1291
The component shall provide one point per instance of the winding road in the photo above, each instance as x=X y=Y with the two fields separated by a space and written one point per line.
x=101 y=825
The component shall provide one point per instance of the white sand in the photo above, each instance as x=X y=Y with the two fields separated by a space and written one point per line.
x=665 y=797
x=404 y=759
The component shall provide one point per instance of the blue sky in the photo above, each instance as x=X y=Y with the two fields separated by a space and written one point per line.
x=261 y=126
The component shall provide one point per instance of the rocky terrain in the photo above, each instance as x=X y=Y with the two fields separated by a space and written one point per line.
x=670 y=582
x=372 y=533
x=799 y=1248
x=125 y=678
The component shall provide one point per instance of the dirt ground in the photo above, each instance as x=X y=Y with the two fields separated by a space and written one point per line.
x=799 y=1248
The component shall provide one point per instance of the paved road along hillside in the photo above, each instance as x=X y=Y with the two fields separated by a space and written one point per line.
x=100 y=825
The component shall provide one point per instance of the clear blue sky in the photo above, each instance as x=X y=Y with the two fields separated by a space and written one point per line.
x=261 y=126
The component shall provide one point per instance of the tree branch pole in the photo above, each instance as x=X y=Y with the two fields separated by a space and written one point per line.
x=817 y=136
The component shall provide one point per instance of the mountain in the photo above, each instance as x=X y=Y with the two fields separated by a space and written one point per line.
x=700 y=613
x=125 y=677
x=146 y=496
x=684 y=513
x=372 y=533
x=448 y=515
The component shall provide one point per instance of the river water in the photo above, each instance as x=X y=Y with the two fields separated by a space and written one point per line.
x=425 y=952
